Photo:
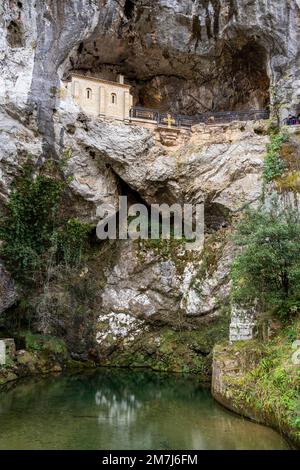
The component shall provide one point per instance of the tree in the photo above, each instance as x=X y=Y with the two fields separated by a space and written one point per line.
x=34 y=231
x=266 y=271
x=28 y=224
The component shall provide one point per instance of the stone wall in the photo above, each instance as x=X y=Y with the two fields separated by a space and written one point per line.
x=242 y=324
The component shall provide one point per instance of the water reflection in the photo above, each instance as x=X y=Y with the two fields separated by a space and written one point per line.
x=120 y=409
x=117 y=410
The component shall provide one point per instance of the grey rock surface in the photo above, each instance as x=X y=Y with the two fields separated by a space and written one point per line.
x=185 y=56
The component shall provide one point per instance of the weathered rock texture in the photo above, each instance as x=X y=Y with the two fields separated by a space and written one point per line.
x=7 y=350
x=8 y=293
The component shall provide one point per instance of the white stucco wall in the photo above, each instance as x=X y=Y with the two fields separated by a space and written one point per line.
x=100 y=97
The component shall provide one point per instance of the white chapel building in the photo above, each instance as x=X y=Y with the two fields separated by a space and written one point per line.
x=101 y=97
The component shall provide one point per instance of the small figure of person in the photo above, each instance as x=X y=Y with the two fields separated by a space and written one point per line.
x=291 y=120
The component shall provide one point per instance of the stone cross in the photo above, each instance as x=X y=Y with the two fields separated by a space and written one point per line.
x=169 y=120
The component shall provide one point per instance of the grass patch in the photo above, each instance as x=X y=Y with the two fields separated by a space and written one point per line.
x=270 y=383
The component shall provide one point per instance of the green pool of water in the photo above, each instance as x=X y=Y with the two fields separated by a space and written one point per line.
x=120 y=409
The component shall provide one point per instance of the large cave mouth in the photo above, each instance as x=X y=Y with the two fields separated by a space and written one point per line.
x=235 y=79
x=246 y=80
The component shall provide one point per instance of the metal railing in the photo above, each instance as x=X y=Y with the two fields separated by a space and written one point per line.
x=183 y=121
x=144 y=114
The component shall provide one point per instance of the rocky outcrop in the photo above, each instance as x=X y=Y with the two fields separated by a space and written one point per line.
x=220 y=165
x=17 y=143
x=240 y=383
x=7 y=350
x=142 y=284
x=169 y=44
x=47 y=359
x=180 y=55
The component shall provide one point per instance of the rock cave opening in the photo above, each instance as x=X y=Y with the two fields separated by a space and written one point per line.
x=129 y=8
x=235 y=79
x=15 y=34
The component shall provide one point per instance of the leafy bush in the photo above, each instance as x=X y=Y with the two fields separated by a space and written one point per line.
x=274 y=166
x=267 y=270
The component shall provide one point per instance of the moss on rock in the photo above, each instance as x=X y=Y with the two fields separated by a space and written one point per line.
x=261 y=380
x=169 y=350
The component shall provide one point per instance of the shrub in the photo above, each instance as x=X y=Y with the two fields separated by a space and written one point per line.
x=274 y=165
x=28 y=224
x=267 y=270
x=72 y=241
x=37 y=342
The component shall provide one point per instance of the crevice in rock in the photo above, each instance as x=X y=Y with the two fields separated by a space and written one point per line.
x=216 y=217
x=196 y=28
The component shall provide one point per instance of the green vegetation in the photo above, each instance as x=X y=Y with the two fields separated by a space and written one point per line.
x=45 y=252
x=170 y=350
x=36 y=342
x=28 y=224
x=267 y=270
x=73 y=241
x=274 y=165
x=289 y=182
x=168 y=249
x=34 y=231
x=290 y=179
x=211 y=255
x=265 y=383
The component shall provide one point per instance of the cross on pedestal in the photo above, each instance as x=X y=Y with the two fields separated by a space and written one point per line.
x=169 y=120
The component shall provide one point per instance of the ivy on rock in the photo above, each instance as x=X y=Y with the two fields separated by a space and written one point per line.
x=33 y=229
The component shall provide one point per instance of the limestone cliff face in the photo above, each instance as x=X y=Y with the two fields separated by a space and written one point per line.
x=184 y=56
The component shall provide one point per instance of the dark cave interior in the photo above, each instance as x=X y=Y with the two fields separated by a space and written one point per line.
x=231 y=77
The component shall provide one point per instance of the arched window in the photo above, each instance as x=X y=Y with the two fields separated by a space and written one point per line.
x=88 y=93
x=114 y=98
